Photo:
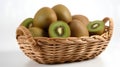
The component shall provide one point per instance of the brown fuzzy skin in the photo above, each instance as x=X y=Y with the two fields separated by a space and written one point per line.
x=36 y=32
x=78 y=29
x=82 y=18
x=44 y=17
x=62 y=13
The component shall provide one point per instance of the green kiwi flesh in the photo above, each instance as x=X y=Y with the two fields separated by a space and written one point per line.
x=59 y=29
x=27 y=22
x=96 y=27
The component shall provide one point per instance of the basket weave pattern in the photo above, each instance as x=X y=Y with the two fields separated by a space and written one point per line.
x=60 y=50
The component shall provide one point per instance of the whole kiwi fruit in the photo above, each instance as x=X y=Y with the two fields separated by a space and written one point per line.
x=78 y=29
x=96 y=27
x=82 y=18
x=27 y=22
x=44 y=17
x=36 y=32
x=62 y=13
x=59 y=29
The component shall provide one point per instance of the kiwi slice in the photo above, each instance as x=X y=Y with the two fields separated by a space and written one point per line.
x=96 y=27
x=27 y=22
x=59 y=29
x=36 y=32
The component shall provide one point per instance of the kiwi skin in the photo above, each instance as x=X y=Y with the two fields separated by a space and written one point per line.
x=82 y=18
x=78 y=29
x=97 y=31
x=62 y=13
x=36 y=32
x=44 y=17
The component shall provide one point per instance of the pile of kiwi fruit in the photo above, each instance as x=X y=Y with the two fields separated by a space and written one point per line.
x=58 y=22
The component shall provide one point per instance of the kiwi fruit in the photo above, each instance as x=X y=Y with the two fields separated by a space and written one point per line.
x=44 y=17
x=59 y=29
x=27 y=22
x=82 y=18
x=62 y=13
x=96 y=27
x=78 y=29
x=36 y=32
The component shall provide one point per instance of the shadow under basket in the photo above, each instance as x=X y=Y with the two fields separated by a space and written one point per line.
x=61 y=50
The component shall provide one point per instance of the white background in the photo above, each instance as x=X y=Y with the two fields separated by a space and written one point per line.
x=13 y=12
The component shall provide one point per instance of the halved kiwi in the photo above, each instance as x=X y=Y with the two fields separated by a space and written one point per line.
x=59 y=29
x=96 y=27
x=27 y=22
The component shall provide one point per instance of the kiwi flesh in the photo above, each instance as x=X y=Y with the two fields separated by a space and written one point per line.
x=27 y=22
x=59 y=29
x=82 y=18
x=36 y=32
x=62 y=13
x=96 y=27
x=78 y=29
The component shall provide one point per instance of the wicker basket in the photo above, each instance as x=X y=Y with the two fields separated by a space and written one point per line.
x=61 y=50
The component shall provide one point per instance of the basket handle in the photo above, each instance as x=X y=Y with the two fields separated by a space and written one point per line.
x=22 y=31
x=110 y=29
